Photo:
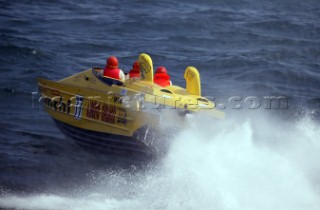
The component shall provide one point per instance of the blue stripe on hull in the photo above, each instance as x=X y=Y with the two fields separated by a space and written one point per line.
x=103 y=141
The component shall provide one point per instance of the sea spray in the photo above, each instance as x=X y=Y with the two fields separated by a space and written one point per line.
x=257 y=163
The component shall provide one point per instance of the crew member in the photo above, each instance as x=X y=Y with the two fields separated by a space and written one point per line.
x=161 y=77
x=135 y=71
x=112 y=69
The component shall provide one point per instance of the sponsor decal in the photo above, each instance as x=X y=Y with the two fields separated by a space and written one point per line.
x=57 y=104
x=108 y=113
x=123 y=92
x=93 y=110
x=189 y=76
x=165 y=96
x=55 y=92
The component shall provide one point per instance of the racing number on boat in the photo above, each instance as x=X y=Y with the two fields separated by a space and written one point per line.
x=78 y=107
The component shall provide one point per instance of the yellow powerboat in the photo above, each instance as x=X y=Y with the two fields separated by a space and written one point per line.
x=122 y=116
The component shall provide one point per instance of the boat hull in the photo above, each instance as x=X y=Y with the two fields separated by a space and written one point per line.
x=105 y=142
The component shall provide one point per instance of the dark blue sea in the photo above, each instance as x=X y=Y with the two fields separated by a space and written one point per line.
x=260 y=157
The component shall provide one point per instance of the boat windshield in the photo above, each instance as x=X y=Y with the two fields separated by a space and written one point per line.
x=98 y=72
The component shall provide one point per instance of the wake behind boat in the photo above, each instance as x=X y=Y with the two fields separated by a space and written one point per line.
x=121 y=116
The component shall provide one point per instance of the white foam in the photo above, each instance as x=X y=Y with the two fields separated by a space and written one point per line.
x=252 y=164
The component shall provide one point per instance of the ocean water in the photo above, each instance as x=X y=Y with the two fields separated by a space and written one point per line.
x=258 y=158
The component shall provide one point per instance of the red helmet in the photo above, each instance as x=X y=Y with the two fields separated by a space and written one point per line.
x=112 y=62
x=161 y=69
x=135 y=66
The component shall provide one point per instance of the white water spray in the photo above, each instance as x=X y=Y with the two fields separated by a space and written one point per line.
x=255 y=164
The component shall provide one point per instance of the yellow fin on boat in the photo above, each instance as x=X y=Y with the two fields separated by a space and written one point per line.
x=146 y=67
x=193 y=84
